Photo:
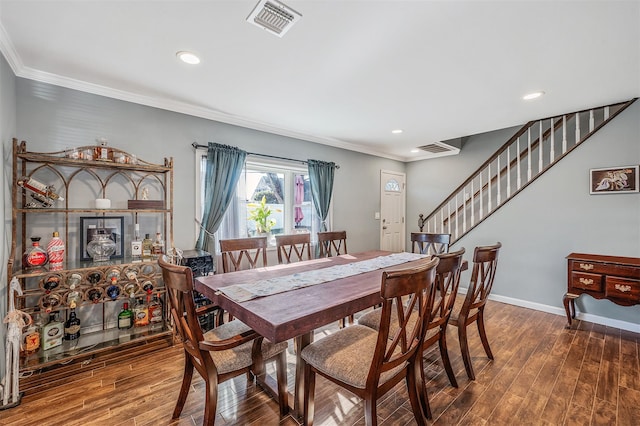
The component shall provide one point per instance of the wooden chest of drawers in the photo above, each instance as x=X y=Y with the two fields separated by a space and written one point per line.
x=603 y=277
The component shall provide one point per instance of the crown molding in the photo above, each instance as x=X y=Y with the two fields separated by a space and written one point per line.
x=20 y=70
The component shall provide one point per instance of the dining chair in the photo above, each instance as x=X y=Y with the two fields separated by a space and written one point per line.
x=428 y=243
x=253 y=250
x=291 y=248
x=332 y=243
x=471 y=308
x=446 y=288
x=227 y=351
x=369 y=363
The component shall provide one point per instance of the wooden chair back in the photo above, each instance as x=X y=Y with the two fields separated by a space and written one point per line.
x=291 y=248
x=485 y=261
x=252 y=250
x=427 y=243
x=409 y=293
x=332 y=243
x=447 y=283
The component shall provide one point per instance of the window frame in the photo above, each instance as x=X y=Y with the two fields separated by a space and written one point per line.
x=256 y=163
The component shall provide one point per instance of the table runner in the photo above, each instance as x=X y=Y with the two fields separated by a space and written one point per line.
x=261 y=288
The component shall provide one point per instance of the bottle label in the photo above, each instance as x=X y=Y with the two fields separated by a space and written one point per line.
x=73 y=329
x=36 y=258
x=124 y=322
x=55 y=249
x=32 y=341
x=155 y=314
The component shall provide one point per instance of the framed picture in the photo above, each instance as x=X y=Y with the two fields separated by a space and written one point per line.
x=112 y=225
x=614 y=180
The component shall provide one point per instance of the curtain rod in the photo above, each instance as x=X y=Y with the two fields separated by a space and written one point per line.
x=196 y=146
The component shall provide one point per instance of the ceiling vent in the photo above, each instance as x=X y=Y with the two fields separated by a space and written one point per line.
x=442 y=149
x=273 y=16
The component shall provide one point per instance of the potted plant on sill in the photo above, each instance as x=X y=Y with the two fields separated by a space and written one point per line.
x=260 y=215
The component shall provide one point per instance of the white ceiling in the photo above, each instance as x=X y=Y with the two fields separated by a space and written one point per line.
x=348 y=72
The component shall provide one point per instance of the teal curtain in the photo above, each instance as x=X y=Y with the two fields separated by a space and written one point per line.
x=223 y=169
x=321 y=180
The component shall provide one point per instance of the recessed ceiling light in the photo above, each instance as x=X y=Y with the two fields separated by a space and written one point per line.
x=188 y=57
x=532 y=95
x=396 y=131
x=414 y=150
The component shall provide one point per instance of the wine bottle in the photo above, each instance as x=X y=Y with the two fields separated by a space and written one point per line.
x=39 y=188
x=72 y=326
x=125 y=317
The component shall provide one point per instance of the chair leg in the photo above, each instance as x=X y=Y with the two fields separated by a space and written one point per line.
x=464 y=347
x=283 y=397
x=417 y=388
x=211 y=399
x=444 y=354
x=483 y=334
x=184 y=389
x=309 y=395
x=370 y=411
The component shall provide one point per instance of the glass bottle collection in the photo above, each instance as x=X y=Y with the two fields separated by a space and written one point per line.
x=55 y=331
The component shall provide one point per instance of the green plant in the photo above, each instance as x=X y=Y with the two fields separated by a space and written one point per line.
x=260 y=215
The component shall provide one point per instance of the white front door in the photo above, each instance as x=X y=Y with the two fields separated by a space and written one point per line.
x=392 y=211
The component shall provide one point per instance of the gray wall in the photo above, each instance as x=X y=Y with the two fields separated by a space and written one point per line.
x=7 y=132
x=53 y=118
x=553 y=217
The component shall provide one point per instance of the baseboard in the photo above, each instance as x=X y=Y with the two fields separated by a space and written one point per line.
x=596 y=319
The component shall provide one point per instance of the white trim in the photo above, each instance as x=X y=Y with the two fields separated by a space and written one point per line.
x=596 y=319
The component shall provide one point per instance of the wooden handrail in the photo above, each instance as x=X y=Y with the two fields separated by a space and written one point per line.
x=557 y=122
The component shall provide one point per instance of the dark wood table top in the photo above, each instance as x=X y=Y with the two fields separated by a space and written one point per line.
x=283 y=316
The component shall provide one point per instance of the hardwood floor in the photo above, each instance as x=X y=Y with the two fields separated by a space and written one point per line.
x=543 y=374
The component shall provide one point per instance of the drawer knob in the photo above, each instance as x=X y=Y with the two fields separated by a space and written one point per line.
x=586 y=266
x=623 y=288
x=586 y=281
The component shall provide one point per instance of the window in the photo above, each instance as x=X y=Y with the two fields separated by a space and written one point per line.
x=287 y=192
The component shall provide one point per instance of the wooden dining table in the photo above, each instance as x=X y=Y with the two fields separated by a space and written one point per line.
x=297 y=313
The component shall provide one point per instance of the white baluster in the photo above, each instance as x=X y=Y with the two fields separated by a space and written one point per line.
x=552 y=153
x=442 y=220
x=540 y=147
x=489 y=186
x=473 y=221
x=518 y=179
x=577 y=127
x=508 y=172
x=529 y=154
x=498 y=182
x=481 y=199
x=606 y=113
x=564 y=134
x=449 y=216
x=456 y=216
x=464 y=210
x=592 y=121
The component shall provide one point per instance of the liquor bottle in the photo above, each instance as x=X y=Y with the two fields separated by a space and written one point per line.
x=52 y=333
x=72 y=326
x=35 y=255
x=31 y=340
x=39 y=188
x=136 y=244
x=55 y=250
x=155 y=310
x=140 y=314
x=125 y=317
x=157 y=248
x=51 y=283
x=113 y=291
x=147 y=246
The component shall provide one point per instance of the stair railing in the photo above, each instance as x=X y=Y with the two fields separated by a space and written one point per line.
x=531 y=151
